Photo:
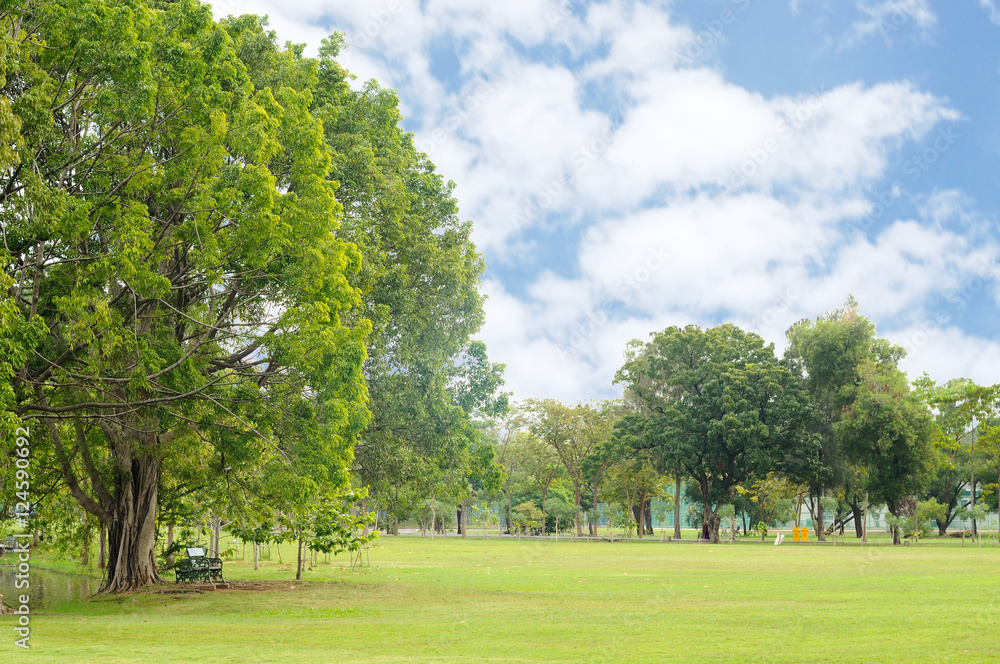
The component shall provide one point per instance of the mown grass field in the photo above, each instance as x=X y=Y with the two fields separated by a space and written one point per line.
x=454 y=600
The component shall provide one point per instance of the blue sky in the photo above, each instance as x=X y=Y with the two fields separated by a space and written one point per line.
x=633 y=165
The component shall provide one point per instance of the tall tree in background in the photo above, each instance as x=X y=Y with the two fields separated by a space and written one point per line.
x=721 y=404
x=540 y=465
x=170 y=224
x=574 y=432
x=829 y=351
x=420 y=278
x=887 y=429
x=952 y=466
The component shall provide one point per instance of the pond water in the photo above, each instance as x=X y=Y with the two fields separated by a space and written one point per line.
x=47 y=589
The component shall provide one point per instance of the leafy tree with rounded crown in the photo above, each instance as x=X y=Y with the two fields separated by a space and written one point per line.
x=170 y=225
x=720 y=403
x=828 y=352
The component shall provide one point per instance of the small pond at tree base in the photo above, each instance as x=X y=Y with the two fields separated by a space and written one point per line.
x=47 y=589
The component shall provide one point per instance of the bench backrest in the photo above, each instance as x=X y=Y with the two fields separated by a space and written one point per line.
x=196 y=553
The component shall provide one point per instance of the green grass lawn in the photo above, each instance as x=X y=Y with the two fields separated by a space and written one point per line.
x=453 y=600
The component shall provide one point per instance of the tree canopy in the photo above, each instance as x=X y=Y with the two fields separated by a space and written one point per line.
x=720 y=403
x=216 y=255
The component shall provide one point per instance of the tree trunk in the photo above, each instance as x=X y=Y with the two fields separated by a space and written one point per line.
x=972 y=485
x=895 y=511
x=859 y=529
x=576 y=503
x=592 y=530
x=710 y=525
x=216 y=527
x=256 y=555
x=170 y=543
x=864 y=529
x=544 y=529
x=639 y=518
x=102 y=552
x=510 y=512
x=820 y=519
x=132 y=531
x=85 y=548
x=298 y=565
x=649 y=517
x=364 y=512
x=677 y=507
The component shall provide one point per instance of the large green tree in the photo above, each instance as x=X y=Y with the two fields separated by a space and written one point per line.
x=170 y=226
x=720 y=403
x=420 y=282
x=829 y=351
x=887 y=429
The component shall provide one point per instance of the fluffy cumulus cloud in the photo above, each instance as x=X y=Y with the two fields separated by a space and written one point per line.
x=601 y=134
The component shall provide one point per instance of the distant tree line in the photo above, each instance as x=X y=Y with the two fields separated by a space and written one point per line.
x=715 y=417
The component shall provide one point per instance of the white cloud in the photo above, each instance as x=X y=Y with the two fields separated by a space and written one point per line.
x=991 y=7
x=686 y=198
x=945 y=352
x=888 y=18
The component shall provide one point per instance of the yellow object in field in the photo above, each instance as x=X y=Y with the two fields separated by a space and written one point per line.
x=795 y=534
x=804 y=534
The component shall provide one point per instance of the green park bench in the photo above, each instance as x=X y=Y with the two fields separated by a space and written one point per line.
x=198 y=567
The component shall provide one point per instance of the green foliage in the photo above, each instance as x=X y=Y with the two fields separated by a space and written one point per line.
x=829 y=352
x=527 y=517
x=720 y=404
x=179 y=299
x=574 y=433
x=773 y=495
x=887 y=429
x=418 y=282
x=933 y=510
x=561 y=510
x=956 y=405
x=484 y=517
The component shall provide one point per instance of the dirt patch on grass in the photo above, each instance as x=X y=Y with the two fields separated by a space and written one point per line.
x=267 y=585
